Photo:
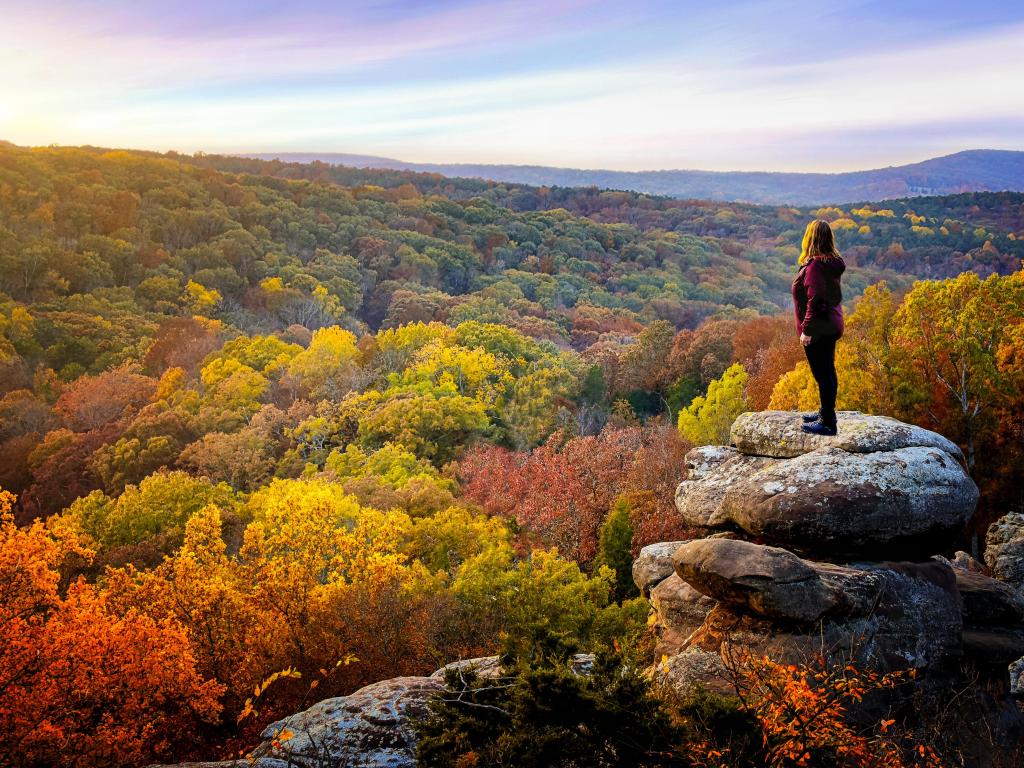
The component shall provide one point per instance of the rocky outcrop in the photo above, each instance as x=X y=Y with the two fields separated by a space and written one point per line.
x=366 y=729
x=653 y=565
x=831 y=545
x=1004 y=549
x=770 y=582
x=904 y=502
x=371 y=728
x=778 y=434
x=890 y=615
x=1004 y=556
x=988 y=602
x=880 y=488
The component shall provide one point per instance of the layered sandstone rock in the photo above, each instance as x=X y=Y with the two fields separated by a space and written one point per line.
x=880 y=488
x=904 y=502
x=778 y=434
x=830 y=545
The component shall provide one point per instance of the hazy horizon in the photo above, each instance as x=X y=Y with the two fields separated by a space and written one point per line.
x=292 y=153
x=783 y=86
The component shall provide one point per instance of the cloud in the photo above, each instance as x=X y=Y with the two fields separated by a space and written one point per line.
x=564 y=82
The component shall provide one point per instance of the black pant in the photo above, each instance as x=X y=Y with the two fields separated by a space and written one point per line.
x=821 y=355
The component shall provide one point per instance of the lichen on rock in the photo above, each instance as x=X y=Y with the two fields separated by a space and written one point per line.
x=880 y=488
x=830 y=551
x=778 y=434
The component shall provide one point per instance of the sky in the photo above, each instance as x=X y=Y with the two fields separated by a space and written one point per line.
x=618 y=84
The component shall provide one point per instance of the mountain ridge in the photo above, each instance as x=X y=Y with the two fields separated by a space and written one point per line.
x=978 y=170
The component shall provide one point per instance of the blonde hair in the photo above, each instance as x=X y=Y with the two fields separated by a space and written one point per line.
x=818 y=242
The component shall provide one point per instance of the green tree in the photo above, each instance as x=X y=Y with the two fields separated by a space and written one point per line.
x=614 y=549
x=160 y=505
x=707 y=419
x=543 y=712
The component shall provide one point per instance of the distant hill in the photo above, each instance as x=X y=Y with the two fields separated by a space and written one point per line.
x=978 y=170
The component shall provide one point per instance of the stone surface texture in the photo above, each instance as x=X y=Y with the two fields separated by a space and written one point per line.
x=854 y=504
x=653 y=565
x=699 y=497
x=680 y=611
x=880 y=488
x=778 y=434
x=367 y=729
x=818 y=545
x=1004 y=549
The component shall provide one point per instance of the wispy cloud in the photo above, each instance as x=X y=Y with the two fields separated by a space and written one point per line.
x=590 y=83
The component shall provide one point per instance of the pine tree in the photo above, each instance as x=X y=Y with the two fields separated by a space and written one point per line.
x=614 y=549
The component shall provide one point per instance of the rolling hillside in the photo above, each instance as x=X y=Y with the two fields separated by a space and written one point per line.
x=970 y=171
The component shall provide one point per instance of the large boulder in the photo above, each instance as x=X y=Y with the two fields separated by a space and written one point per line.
x=774 y=583
x=914 y=622
x=1004 y=549
x=988 y=602
x=653 y=565
x=768 y=581
x=908 y=502
x=995 y=647
x=370 y=728
x=778 y=434
x=993 y=615
x=1004 y=555
x=680 y=610
x=699 y=497
x=820 y=546
x=880 y=488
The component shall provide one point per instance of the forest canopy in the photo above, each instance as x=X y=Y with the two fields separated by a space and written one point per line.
x=302 y=427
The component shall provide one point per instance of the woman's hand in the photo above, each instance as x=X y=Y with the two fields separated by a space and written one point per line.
x=805 y=339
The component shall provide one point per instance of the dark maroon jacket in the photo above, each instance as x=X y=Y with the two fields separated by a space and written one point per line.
x=818 y=297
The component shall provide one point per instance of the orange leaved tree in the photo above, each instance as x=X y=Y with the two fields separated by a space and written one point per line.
x=805 y=713
x=78 y=679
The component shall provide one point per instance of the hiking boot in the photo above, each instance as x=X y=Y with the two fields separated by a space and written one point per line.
x=817 y=428
x=809 y=417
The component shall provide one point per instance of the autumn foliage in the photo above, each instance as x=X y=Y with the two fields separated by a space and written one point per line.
x=296 y=429
x=563 y=490
x=806 y=714
x=121 y=687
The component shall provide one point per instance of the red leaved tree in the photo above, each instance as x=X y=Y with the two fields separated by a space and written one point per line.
x=564 y=489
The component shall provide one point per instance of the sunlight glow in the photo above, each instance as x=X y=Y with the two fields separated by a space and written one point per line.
x=484 y=82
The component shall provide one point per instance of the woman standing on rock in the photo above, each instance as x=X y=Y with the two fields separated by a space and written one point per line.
x=818 y=302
